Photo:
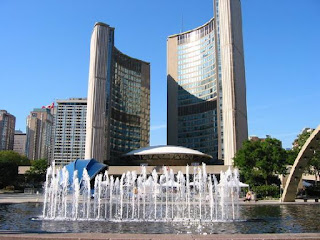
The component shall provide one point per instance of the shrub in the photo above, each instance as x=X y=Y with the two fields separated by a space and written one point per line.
x=8 y=173
x=267 y=191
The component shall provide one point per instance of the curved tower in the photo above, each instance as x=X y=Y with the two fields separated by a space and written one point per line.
x=206 y=85
x=118 y=108
x=100 y=49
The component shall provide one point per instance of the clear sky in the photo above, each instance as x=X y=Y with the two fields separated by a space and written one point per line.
x=44 y=55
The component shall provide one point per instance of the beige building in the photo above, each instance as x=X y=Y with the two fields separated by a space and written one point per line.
x=69 y=130
x=118 y=110
x=7 y=126
x=39 y=134
x=206 y=85
x=20 y=140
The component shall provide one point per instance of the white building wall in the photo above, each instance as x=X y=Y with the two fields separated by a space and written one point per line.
x=95 y=139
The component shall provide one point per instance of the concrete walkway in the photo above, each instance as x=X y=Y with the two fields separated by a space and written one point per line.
x=20 y=198
x=97 y=236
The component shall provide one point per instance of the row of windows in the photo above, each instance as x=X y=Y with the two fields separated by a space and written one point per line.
x=206 y=141
x=198 y=65
x=194 y=89
x=71 y=116
x=197 y=100
x=124 y=135
x=200 y=127
x=195 y=76
x=186 y=85
x=69 y=139
x=126 y=69
x=196 y=58
x=192 y=95
x=198 y=69
x=195 y=120
x=202 y=40
x=199 y=49
x=122 y=125
x=204 y=114
x=73 y=108
x=196 y=34
x=193 y=54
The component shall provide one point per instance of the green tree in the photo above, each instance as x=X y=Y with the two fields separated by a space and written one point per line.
x=301 y=140
x=291 y=156
x=37 y=173
x=260 y=161
x=13 y=156
x=8 y=172
x=314 y=166
x=9 y=162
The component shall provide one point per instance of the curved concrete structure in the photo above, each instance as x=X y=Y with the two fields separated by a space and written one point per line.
x=118 y=108
x=290 y=190
x=96 y=104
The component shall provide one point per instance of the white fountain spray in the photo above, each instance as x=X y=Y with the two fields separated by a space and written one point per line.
x=155 y=196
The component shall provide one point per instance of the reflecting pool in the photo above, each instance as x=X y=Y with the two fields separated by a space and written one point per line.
x=255 y=218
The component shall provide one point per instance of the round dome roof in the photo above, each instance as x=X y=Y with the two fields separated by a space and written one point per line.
x=166 y=149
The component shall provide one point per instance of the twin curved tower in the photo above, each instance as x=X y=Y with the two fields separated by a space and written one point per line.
x=206 y=91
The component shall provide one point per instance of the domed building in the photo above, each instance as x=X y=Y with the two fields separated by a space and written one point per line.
x=165 y=155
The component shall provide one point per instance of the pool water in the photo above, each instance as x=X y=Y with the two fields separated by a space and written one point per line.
x=295 y=218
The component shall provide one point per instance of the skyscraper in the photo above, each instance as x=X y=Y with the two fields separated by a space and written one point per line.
x=69 y=130
x=206 y=85
x=39 y=134
x=20 y=140
x=7 y=125
x=118 y=110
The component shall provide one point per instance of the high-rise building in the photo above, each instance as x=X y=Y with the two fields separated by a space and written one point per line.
x=206 y=85
x=39 y=134
x=20 y=140
x=7 y=126
x=118 y=114
x=69 y=130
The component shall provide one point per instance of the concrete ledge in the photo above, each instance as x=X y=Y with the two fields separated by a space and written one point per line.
x=97 y=236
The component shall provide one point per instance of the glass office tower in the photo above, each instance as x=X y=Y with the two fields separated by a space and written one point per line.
x=118 y=114
x=206 y=85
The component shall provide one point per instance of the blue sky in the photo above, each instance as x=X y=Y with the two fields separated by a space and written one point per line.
x=44 y=55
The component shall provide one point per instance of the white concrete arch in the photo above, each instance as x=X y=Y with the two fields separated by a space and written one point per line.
x=299 y=165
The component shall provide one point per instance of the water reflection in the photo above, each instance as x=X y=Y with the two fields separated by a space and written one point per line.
x=256 y=219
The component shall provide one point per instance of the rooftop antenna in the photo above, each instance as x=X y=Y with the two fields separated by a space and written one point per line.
x=181 y=23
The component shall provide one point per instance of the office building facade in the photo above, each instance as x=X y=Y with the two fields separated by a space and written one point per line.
x=69 y=130
x=39 y=134
x=118 y=115
x=206 y=85
x=7 y=126
x=20 y=140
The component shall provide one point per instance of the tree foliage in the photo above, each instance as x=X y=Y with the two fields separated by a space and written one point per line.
x=260 y=161
x=9 y=162
x=8 y=172
x=37 y=173
x=9 y=155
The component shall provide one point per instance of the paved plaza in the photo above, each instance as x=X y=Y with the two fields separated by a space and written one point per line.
x=20 y=198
